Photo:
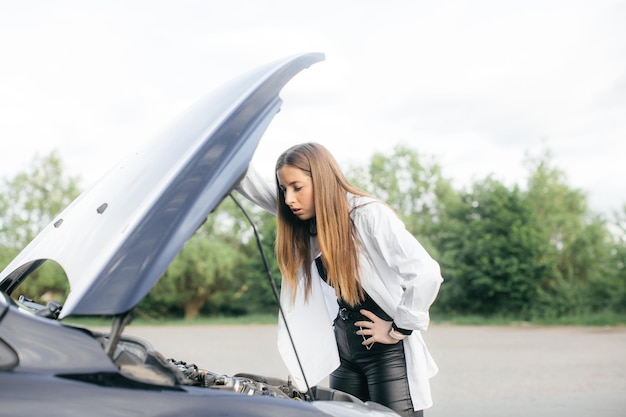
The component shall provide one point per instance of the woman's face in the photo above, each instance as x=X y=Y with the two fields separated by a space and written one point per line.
x=298 y=190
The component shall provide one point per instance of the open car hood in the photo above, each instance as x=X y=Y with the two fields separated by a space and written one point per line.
x=117 y=238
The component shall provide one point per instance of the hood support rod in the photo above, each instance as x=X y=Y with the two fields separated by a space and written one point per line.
x=119 y=323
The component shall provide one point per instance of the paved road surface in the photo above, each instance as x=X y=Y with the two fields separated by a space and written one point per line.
x=484 y=371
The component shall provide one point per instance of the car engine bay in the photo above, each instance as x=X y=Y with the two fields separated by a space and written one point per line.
x=137 y=360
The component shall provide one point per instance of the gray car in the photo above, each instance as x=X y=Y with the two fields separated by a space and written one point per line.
x=114 y=242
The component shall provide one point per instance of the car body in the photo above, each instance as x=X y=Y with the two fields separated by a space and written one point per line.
x=114 y=242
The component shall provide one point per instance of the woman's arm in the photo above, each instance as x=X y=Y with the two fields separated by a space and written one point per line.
x=406 y=261
x=256 y=189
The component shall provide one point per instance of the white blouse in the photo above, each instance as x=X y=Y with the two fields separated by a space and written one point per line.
x=396 y=272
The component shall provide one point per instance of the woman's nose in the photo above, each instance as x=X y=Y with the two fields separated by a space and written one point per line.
x=288 y=197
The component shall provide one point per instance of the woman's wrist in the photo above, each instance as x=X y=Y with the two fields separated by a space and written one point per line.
x=396 y=335
x=397 y=329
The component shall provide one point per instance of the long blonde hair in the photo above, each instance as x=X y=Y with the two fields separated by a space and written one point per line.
x=335 y=231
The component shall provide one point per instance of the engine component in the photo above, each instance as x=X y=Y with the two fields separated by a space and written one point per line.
x=247 y=384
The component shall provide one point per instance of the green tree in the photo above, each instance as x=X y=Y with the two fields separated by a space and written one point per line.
x=28 y=202
x=617 y=262
x=412 y=185
x=574 y=244
x=530 y=254
x=254 y=291
x=257 y=295
x=486 y=240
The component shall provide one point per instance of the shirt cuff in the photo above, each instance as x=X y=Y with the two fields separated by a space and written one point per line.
x=411 y=320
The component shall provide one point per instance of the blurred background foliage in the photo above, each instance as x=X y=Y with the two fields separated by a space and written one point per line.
x=532 y=252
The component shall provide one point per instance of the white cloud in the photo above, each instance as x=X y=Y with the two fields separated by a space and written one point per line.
x=475 y=83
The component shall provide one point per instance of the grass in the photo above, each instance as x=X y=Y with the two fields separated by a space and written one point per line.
x=596 y=319
x=200 y=321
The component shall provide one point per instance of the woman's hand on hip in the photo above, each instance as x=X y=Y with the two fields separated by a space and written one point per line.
x=376 y=330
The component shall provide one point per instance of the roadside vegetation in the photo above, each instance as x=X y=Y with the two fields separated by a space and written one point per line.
x=530 y=253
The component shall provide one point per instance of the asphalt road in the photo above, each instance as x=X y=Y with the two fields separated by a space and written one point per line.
x=484 y=371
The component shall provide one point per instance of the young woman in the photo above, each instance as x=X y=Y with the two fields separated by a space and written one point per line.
x=357 y=286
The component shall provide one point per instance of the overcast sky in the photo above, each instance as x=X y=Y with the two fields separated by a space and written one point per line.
x=475 y=84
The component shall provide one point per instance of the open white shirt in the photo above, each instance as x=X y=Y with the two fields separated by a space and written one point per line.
x=396 y=272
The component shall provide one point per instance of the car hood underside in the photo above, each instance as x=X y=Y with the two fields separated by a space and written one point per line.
x=118 y=237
